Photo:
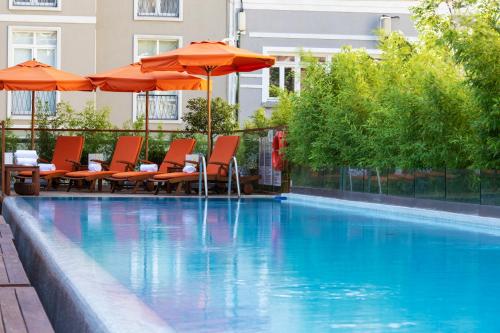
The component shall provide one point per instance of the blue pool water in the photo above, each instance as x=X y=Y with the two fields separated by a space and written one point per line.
x=262 y=265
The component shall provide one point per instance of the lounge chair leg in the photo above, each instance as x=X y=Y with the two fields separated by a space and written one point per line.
x=49 y=184
x=179 y=188
x=92 y=186
x=69 y=185
x=136 y=187
x=99 y=185
x=158 y=187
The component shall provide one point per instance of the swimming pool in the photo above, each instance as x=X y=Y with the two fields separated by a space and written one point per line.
x=265 y=265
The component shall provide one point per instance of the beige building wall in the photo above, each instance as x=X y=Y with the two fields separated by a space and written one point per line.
x=116 y=28
x=75 y=23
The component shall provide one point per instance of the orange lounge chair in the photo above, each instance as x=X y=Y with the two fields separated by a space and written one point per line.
x=125 y=157
x=174 y=161
x=67 y=154
x=217 y=168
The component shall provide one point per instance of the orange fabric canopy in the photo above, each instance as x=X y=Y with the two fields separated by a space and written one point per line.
x=131 y=79
x=35 y=76
x=220 y=58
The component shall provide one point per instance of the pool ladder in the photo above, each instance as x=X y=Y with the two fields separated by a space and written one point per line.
x=202 y=179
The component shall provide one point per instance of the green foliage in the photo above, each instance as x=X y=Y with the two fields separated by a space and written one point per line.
x=411 y=109
x=223 y=116
x=282 y=111
x=471 y=33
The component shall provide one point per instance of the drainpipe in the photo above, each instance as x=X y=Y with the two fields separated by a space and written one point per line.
x=241 y=30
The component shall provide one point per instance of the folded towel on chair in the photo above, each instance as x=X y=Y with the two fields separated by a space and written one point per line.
x=95 y=167
x=26 y=154
x=46 y=167
x=148 y=168
x=26 y=161
x=189 y=169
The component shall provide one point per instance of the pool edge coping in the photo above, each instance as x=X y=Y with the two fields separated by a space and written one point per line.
x=84 y=297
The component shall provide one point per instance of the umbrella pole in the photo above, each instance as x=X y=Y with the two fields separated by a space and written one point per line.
x=209 y=111
x=33 y=110
x=147 y=126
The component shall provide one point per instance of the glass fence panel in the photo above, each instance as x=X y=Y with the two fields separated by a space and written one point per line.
x=401 y=183
x=430 y=184
x=354 y=179
x=463 y=186
x=375 y=181
x=490 y=187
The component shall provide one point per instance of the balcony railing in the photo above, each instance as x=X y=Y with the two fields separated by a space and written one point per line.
x=35 y=3
x=161 y=106
x=46 y=101
x=158 y=8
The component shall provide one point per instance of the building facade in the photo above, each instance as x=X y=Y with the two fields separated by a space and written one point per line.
x=288 y=28
x=89 y=36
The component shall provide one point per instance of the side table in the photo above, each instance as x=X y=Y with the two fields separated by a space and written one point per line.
x=8 y=168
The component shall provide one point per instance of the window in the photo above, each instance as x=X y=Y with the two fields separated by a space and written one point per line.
x=164 y=106
x=35 y=4
x=25 y=45
x=282 y=76
x=158 y=9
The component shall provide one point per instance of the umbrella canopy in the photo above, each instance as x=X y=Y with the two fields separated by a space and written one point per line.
x=199 y=57
x=36 y=76
x=210 y=59
x=131 y=79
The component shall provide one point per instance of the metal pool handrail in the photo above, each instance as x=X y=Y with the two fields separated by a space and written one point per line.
x=203 y=174
x=236 y=171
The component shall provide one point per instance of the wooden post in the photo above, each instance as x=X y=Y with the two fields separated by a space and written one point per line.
x=209 y=112
x=3 y=156
x=147 y=126
x=33 y=110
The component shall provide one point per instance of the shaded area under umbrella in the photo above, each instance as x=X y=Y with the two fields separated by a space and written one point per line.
x=131 y=79
x=35 y=76
x=209 y=59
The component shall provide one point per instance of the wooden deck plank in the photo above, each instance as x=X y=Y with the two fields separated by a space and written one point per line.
x=12 y=317
x=11 y=265
x=6 y=231
x=35 y=318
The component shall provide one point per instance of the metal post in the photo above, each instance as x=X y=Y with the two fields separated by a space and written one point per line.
x=3 y=156
x=209 y=110
x=147 y=126
x=33 y=110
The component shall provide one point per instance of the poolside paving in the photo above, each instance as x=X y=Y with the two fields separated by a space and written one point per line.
x=20 y=308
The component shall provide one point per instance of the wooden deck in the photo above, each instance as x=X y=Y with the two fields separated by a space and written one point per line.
x=20 y=307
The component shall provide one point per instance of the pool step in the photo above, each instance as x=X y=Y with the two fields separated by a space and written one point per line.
x=20 y=308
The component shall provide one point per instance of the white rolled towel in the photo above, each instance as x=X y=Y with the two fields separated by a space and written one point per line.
x=148 y=168
x=189 y=169
x=46 y=167
x=24 y=161
x=26 y=154
x=95 y=167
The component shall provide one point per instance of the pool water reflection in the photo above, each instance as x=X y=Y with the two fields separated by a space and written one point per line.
x=261 y=265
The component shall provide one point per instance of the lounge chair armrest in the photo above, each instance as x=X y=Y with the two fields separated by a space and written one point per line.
x=146 y=162
x=220 y=163
x=76 y=164
x=99 y=161
x=105 y=165
x=174 y=163
x=43 y=160
x=174 y=169
x=130 y=166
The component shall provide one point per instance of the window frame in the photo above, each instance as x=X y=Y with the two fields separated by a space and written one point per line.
x=293 y=51
x=13 y=6
x=10 y=59
x=138 y=17
x=136 y=58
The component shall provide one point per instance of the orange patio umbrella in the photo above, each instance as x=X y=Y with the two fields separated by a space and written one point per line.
x=131 y=79
x=210 y=59
x=34 y=76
